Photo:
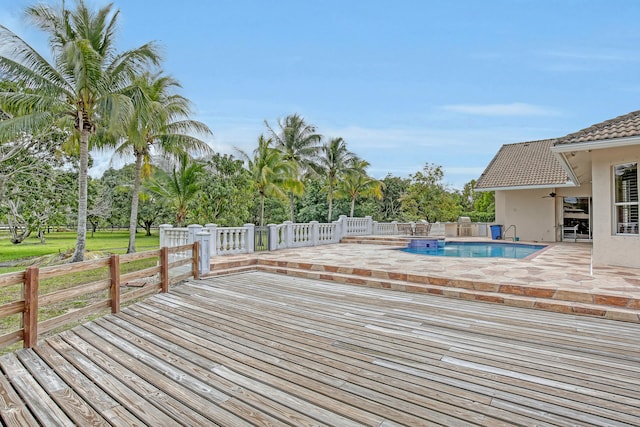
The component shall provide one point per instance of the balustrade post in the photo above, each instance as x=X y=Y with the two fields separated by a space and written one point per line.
x=213 y=231
x=30 y=313
x=337 y=232
x=114 y=272
x=374 y=228
x=315 y=233
x=193 y=230
x=163 y=235
x=288 y=233
x=203 y=239
x=250 y=237
x=369 y=225
x=342 y=219
x=273 y=237
x=395 y=227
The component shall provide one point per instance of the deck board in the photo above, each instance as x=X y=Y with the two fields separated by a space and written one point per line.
x=257 y=348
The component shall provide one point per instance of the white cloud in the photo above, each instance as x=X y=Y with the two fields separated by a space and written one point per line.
x=512 y=109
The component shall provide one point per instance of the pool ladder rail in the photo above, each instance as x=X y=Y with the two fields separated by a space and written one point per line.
x=515 y=233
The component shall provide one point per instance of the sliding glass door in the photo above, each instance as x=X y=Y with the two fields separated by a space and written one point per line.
x=576 y=219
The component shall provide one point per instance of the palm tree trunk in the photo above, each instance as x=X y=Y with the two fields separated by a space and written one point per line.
x=81 y=239
x=133 y=219
x=292 y=206
x=261 y=210
x=330 y=201
x=353 y=205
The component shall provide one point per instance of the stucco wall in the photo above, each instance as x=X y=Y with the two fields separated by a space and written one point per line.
x=533 y=214
x=609 y=249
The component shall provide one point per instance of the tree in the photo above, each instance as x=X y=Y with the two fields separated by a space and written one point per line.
x=334 y=162
x=394 y=188
x=226 y=192
x=356 y=183
x=270 y=172
x=159 y=124
x=300 y=145
x=428 y=198
x=82 y=89
x=179 y=186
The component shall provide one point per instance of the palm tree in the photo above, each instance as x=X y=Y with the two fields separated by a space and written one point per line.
x=82 y=89
x=335 y=161
x=300 y=144
x=270 y=173
x=159 y=125
x=179 y=186
x=357 y=183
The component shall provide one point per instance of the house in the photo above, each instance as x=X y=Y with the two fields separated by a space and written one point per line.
x=580 y=187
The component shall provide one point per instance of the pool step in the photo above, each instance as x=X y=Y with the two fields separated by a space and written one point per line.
x=602 y=305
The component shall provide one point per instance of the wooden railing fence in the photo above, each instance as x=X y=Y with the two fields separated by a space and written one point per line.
x=156 y=278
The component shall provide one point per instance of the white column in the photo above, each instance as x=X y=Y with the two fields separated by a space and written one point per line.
x=250 y=237
x=213 y=231
x=193 y=230
x=204 y=260
x=288 y=233
x=163 y=234
x=273 y=237
x=314 y=238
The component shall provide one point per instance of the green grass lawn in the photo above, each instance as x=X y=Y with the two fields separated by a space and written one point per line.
x=61 y=242
x=104 y=243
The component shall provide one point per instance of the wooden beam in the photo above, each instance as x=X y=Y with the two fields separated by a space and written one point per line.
x=196 y=260
x=30 y=314
x=114 y=273
x=164 y=269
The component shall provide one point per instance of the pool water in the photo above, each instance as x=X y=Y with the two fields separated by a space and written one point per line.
x=479 y=250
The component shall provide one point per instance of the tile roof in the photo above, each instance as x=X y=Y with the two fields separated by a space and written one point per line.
x=523 y=164
x=624 y=126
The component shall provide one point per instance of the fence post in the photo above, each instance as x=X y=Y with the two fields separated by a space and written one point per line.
x=164 y=269
x=30 y=313
x=273 y=237
x=314 y=238
x=204 y=256
x=288 y=233
x=163 y=235
x=337 y=232
x=250 y=238
x=196 y=257
x=193 y=230
x=114 y=272
x=369 y=225
x=213 y=231
x=395 y=227
x=342 y=219
x=374 y=227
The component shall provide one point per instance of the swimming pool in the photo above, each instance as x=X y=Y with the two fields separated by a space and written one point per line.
x=478 y=250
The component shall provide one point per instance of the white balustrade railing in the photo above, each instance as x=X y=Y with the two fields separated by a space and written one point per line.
x=240 y=240
x=385 y=228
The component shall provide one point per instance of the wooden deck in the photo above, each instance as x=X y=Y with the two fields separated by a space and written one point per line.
x=264 y=349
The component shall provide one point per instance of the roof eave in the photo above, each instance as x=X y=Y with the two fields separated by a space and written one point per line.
x=596 y=145
x=528 y=187
x=562 y=159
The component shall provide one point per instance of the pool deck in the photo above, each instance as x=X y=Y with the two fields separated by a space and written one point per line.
x=559 y=278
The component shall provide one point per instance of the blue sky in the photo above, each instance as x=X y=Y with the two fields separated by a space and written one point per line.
x=404 y=82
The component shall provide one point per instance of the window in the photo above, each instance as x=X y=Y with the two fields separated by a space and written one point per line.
x=626 y=198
